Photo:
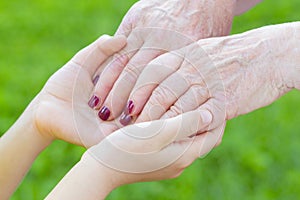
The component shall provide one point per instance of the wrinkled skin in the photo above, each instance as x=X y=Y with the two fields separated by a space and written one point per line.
x=229 y=76
x=153 y=28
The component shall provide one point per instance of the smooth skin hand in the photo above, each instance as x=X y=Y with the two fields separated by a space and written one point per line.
x=113 y=162
x=59 y=111
x=229 y=76
x=153 y=28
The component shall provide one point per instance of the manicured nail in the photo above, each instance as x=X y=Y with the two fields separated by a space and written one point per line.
x=206 y=116
x=125 y=120
x=104 y=113
x=129 y=108
x=94 y=101
x=96 y=79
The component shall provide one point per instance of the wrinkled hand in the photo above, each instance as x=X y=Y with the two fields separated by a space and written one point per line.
x=153 y=28
x=60 y=108
x=229 y=76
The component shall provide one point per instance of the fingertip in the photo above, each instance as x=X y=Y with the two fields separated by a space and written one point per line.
x=206 y=116
x=104 y=38
x=121 y=38
x=119 y=41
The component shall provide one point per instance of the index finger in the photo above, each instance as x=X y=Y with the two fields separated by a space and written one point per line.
x=92 y=56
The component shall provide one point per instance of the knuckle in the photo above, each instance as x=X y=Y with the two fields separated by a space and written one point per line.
x=104 y=49
x=199 y=90
x=176 y=110
x=121 y=58
x=160 y=96
x=131 y=73
x=103 y=87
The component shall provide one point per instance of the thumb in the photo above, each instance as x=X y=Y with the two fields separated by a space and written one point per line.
x=160 y=133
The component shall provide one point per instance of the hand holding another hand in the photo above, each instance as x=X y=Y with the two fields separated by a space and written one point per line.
x=148 y=151
x=229 y=76
x=153 y=28
x=60 y=108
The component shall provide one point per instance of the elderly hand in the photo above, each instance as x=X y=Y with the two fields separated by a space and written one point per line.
x=229 y=76
x=60 y=108
x=153 y=28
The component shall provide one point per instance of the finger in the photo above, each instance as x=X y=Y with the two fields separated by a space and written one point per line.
x=111 y=69
x=210 y=140
x=116 y=100
x=153 y=136
x=93 y=55
x=164 y=96
x=106 y=80
x=168 y=92
x=137 y=145
x=152 y=75
x=197 y=146
x=191 y=100
x=134 y=43
x=181 y=154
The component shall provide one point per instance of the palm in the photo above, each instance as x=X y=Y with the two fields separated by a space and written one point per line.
x=63 y=111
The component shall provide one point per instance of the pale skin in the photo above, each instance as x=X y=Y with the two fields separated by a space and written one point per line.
x=251 y=67
x=229 y=76
x=32 y=135
x=146 y=23
x=100 y=178
x=40 y=124
x=50 y=115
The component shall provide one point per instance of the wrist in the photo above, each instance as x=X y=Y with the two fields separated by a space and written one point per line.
x=98 y=181
x=252 y=66
x=290 y=54
x=104 y=177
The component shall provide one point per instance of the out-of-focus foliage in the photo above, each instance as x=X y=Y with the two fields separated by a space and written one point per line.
x=259 y=156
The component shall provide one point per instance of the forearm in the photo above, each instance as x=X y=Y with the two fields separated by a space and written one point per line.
x=273 y=48
x=88 y=179
x=289 y=53
x=256 y=67
x=19 y=147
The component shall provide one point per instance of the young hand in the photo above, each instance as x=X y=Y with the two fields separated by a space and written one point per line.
x=61 y=111
x=142 y=152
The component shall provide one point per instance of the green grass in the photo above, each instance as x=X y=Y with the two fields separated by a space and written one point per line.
x=259 y=156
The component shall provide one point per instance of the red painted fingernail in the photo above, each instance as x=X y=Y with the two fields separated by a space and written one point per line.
x=94 y=101
x=104 y=113
x=125 y=120
x=96 y=79
x=129 y=107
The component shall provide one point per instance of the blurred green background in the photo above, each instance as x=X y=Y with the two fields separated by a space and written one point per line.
x=259 y=156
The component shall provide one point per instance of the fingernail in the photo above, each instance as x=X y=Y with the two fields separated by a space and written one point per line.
x=94 y=101
x=96 y=79
x=206 y=116
x=104 y=113
x=129 y=108
x=125 y=120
